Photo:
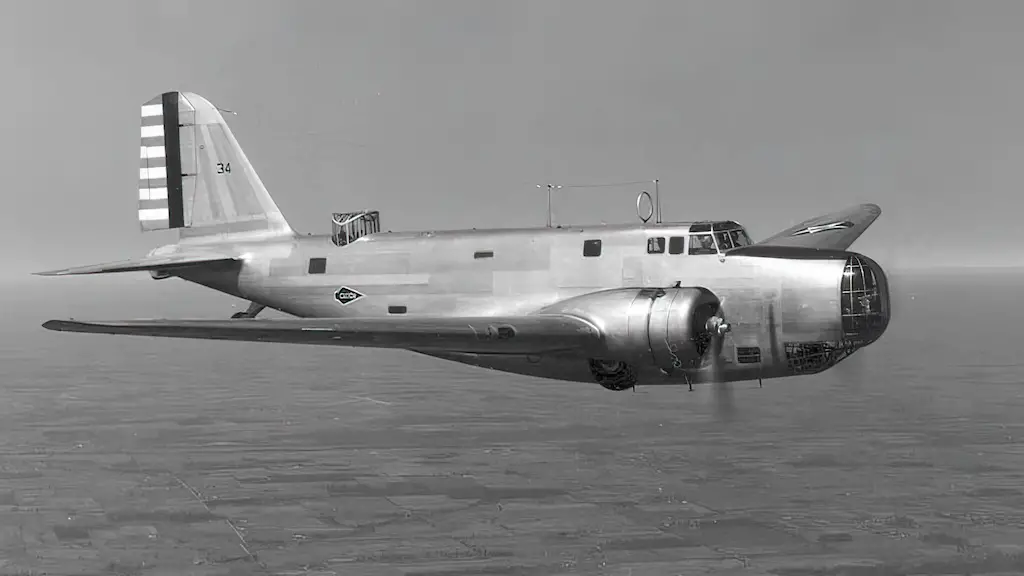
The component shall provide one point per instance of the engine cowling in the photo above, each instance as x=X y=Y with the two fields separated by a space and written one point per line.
x=670 y=328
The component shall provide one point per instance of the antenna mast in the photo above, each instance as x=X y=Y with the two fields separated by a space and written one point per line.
x=550 y=187
x=657 y=202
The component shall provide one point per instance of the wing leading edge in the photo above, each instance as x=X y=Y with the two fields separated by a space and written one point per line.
x=833 y=231
x=534 y=334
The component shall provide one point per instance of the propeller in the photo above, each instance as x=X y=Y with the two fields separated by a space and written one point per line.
x=711 y=337
x=725 y=406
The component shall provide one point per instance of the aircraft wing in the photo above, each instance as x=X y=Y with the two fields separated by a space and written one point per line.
x=532 y=334
x=169 y=262
x=835 y=231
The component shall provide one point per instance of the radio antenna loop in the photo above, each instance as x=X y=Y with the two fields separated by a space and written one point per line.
x=650 y=206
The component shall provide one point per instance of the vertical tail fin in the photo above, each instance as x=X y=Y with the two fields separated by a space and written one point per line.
x=194 y=177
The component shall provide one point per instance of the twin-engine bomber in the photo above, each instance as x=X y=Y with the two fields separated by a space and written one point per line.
x=619 y=305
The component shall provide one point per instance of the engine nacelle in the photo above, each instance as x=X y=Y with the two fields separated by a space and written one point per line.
x=670 y=328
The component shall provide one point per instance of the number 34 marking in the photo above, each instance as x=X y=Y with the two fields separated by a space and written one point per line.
x=223 y=168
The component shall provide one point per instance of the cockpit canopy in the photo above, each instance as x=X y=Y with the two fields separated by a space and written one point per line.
x=349 y=226
x=715 y=237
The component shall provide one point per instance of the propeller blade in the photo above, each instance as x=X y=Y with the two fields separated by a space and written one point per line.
x=725 y=405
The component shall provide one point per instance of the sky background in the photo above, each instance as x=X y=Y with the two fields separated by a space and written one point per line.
x=445 y=114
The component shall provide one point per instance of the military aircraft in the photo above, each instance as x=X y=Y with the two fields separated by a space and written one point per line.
x=620 y=305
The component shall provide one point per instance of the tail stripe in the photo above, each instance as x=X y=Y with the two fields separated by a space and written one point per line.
x=153 y=209
x=152 y=110
x=151 y=152
x=153 y=132
x=153 y=214
x=153 y=193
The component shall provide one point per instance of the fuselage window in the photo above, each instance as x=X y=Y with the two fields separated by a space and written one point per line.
x=677 y=245
x=702 y=244
x=591 y=248
x=724 y=243
x=317 y=265
x=656 y=245
x=396 y=309
x=483 y=254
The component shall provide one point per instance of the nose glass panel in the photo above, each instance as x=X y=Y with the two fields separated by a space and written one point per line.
x=864 y=300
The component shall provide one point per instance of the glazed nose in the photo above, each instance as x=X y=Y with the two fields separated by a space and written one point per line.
x=864 y=300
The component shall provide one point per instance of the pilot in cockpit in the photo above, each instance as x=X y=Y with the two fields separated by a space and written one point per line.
x=739 y=238
x=702 y=244
x=724 y=242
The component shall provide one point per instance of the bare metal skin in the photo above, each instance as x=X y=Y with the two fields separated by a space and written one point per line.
x=617 y=305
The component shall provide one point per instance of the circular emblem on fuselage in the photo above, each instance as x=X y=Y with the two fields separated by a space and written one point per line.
x=346 y=295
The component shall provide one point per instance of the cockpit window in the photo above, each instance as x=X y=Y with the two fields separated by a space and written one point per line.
x=702 y=244
x=724 y=242
x=740 y=238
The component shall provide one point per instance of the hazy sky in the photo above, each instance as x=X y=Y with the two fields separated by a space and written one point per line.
x=445 y=114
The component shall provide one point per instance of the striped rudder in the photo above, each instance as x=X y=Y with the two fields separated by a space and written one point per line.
x=158 y=193
x=194 y=177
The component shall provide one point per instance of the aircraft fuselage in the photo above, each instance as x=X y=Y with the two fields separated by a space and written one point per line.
x=785 y=305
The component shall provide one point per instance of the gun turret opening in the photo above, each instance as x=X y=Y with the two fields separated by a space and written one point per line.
x=347 y=227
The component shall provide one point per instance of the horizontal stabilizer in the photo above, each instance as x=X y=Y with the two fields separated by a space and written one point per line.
x=534 y=334
x=166 y=263
x=834 y=231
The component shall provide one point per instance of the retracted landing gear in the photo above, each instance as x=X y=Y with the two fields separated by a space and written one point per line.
x=250 y=312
